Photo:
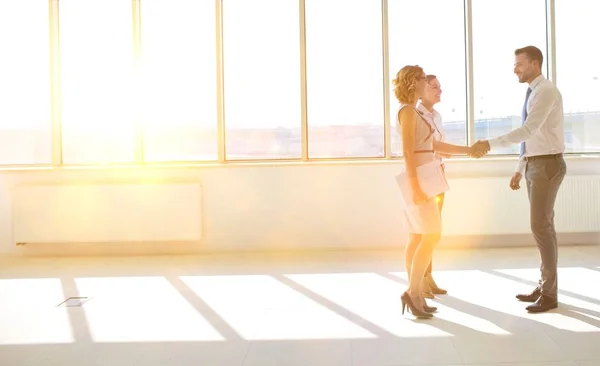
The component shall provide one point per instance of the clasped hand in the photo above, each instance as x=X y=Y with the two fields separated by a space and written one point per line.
x=479 y=149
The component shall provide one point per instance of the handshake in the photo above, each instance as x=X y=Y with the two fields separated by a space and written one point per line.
x=479 y=149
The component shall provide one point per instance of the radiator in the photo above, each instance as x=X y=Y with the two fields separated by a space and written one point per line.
x=106 y=213
x=487 y=206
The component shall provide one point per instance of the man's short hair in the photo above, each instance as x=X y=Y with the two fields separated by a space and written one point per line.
x=533 y=53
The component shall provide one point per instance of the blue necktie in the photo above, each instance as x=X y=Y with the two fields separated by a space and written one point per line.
x=523 y=118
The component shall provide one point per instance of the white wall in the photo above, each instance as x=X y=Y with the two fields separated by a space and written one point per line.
x=333 y=204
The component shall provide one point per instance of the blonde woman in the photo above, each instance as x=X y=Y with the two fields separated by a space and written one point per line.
x=422 y=215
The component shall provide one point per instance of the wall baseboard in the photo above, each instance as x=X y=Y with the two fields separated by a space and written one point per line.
x=195 y=248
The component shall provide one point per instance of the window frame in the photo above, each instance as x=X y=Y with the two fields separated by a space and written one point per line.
x=56 y=102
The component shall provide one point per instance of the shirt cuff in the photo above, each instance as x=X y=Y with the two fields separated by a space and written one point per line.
x=495 y=143
x=521 y=166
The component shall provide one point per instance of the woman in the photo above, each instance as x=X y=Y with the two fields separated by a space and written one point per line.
x=423 y=217
x=432 y=97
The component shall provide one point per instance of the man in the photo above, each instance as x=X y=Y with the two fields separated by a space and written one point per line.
x=541 y=160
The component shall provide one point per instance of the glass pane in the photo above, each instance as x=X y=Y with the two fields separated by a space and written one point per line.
x=96 y=69
x=179 y=83
x=499 y=96
x=439 y=48
x=262 y=79
x=25 y=117
x=344 y=67
x=578 y=72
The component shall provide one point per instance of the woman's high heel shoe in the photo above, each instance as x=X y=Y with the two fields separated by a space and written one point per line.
x=406 y=300
x=427 y=292
x=433 y=287
x=429 y=309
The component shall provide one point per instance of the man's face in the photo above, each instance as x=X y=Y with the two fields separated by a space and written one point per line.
x=524 y=67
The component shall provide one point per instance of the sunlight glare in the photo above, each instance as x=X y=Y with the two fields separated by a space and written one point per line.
x=25 y=114
x=259 y=307
x=141 y=309
x=495 y=299
x=178 y=73
x=24 y=79
x=97 y=81
x=576 y=280
x=450 y=314
x=369 y=296
x=29 y=312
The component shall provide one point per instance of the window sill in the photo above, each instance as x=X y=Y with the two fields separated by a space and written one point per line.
x=592 y=157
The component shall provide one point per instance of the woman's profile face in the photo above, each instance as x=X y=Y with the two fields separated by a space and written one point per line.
x=435 y=89
x=434 y=92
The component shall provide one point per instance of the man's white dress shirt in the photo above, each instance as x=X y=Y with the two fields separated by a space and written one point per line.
x=543 y=130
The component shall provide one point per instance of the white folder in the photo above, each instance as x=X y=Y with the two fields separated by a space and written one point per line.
x=432 y=181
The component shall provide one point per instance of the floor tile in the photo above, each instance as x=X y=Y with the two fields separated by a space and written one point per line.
x=403 y=351
x=318 y=309
x=299 y=353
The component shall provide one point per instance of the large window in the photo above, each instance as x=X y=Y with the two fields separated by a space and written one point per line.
x=578 y=72
x=431 y=34
x=96 y=44
x=262 y=79
x=498 y=30
x=179 y=104
x=130 y=81
x=25 y=116
x=344 y=68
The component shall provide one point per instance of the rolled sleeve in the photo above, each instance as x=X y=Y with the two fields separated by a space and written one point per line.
x=542 y=103
x=521 y=166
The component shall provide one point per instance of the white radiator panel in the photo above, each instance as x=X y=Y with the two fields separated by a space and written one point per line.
x=107 y=213
x=487 y=206
x=578 y=205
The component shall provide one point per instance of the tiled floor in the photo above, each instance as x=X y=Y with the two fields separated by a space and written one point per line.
x=333 y=308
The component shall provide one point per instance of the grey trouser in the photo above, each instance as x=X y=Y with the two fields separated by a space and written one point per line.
x=544 y=176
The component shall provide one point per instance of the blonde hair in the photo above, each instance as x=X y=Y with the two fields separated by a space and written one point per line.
x=405 y=83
